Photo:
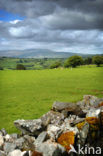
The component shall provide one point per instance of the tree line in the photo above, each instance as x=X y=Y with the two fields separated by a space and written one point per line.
x=72 y=61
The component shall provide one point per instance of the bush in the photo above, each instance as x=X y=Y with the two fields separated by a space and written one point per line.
x=73 y=61
x=20 y=67
x=55 y=65
x=98 y=60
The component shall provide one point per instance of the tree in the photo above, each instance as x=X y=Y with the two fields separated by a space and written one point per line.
x=20 y=67
x=73 y=61
x=55 y=64
x=98 y=60
x=88 y=60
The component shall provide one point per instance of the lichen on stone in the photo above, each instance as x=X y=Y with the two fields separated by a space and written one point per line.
x=80 y=125
x=92 y=120
x=67 y=139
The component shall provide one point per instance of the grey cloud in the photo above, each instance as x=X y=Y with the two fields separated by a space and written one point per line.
x=61 y=25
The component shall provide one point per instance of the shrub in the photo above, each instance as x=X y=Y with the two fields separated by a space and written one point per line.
x=73 y=61
x=66 y=139
x=55 y=65
x=20 y=67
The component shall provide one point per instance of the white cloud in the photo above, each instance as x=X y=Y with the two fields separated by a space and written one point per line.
x=15 y=21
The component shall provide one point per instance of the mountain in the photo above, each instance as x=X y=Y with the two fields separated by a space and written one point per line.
x=39 y=53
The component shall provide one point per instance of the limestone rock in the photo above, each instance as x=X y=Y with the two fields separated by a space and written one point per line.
x=52 y=117
x=2 y=153
x=31 y=127
x=70 y=108
x=41 y=138
x=54 y=131
x=83 y=134
x=1 y=141
x=93 y=113
x=9 y=147
x=3 y=131
x=18 y=153
x=51 y=149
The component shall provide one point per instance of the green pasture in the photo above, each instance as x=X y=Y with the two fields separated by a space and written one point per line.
x=29 y=94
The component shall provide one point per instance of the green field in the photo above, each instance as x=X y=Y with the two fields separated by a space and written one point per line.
x=29 y=94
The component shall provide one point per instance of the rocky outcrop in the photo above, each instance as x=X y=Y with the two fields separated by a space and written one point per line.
x=59 y=132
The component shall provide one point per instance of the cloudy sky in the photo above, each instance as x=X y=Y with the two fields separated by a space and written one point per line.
x=59 y=25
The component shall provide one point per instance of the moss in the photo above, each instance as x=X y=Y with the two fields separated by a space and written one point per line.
x=66 y=139
x=80 y=125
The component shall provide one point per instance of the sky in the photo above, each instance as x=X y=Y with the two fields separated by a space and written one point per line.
x=57 y=25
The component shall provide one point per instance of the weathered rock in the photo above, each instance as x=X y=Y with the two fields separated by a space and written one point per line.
x=3 y=131
x=1 y=141
x=54 y=131
x=2 y=153
x=8 y=138
x=18 y=153
x=20 y=143
x=82 y=136
x=31 y=127
x=51 y=149
x=42 y=137
x=9 y=147
x=52 y=117
x=93 y=113
x=29 y=143
x=89 y=101
x=65 y=127
x=70 y=108
x=14 y=136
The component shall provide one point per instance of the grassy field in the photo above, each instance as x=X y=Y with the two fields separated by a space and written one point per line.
x=31 y=93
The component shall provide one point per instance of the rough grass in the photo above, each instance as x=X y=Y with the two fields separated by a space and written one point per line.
x=29 y=94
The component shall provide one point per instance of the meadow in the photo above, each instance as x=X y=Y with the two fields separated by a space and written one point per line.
x=29 y=94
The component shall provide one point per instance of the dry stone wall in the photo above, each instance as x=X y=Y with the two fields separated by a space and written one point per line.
x=67 y=129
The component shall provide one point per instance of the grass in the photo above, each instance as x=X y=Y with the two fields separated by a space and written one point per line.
x=31 y=93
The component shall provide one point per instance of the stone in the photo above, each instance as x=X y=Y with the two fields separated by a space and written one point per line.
x=3 y=131
x=65 y=127
x=2 y=153
x=9 y=147
x=20 y=143
x=51 y=149
x=53 y=132
x=29 y=143
x=52 y=117
x=42 y=137
x=82 y=135
x=71 y=108
x=14 y=136
x=8 y=138
x=93 y=113
x=1 y=141
x=31 y=127
x=18 y=153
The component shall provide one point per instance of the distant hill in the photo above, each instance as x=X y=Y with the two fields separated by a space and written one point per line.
x=39 y=53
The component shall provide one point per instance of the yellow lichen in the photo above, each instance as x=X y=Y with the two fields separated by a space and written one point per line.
x=92 y=120
x=80 y=125
x=101 y=104
x=66 y=139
